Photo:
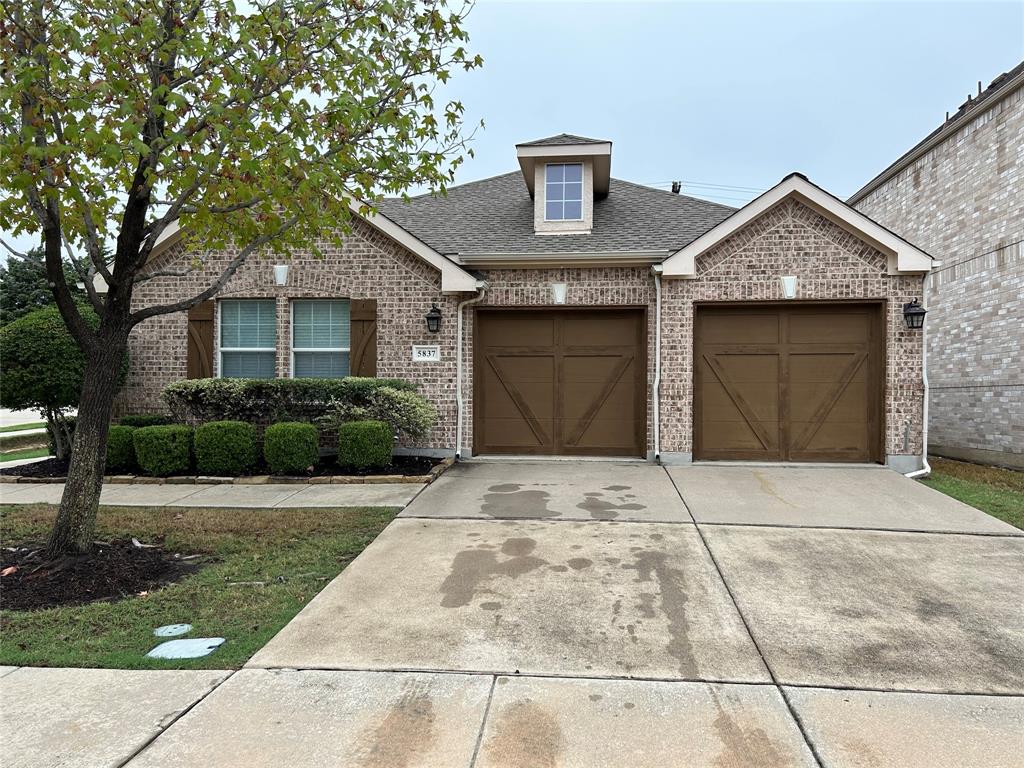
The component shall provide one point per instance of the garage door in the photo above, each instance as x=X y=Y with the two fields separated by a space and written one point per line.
x=788 y=383
x=560 y=382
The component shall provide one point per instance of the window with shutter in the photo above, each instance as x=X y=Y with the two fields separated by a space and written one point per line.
x=248 y=338
x=321 y=338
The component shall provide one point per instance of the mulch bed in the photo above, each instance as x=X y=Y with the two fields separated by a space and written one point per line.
x=401 y=465
x=117 y=569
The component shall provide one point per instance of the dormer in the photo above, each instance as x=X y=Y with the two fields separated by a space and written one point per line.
x=564 y=175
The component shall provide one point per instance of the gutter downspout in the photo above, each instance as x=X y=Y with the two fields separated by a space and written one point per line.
x=481 y=288
x=656 y=271
x=926 y=469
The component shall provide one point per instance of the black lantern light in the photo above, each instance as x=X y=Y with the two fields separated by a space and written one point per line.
x=913 y=315
x=433 y=318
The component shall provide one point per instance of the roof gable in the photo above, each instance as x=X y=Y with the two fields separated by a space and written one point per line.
x=561 y=139
x=903 y=257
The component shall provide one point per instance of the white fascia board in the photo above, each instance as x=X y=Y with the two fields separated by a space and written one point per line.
x=454 y=279
x=565 y=150
x=903 y=257
x=562 y=258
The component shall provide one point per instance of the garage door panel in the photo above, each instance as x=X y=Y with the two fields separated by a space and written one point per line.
x=728 y=328
x=583 y=391
x=810 y=395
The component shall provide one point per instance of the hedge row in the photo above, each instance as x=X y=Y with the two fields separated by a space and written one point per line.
x=226 y=448
x=265 y=401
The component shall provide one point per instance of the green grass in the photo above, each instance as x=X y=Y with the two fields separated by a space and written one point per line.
x=293 y=552
x=999 y=492
x=20 y=427
x=24 y=453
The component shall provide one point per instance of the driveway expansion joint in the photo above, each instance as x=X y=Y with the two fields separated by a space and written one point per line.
x=771 y=673
x=483 y=722
x=171 y=721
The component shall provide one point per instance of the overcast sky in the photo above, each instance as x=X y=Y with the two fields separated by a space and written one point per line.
x=734 y=95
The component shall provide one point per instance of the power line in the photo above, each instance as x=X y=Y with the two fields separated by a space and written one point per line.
x=690 y=183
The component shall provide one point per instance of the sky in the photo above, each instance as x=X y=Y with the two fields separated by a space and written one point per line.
x=730 y=94
x=728 y=97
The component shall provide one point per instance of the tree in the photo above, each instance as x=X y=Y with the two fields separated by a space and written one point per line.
x=254 y=125
x=23 y=286
x=43 y=368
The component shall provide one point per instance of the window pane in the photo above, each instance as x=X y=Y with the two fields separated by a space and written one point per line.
x=321 y=365
x=247 y=365
x=555 y=172
x=248 y=323
x=573 y=210
x=574 y=172
x=553 y=211
x=321 y=324
x=553 y=192
x=573 y=191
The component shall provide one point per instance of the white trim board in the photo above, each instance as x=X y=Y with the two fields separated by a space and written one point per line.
x=904 y=258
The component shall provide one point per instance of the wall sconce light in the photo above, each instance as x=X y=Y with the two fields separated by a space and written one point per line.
x=433 y=318
x=558 y=293
x=789 y=286
x=913 y=315
x=280 y=274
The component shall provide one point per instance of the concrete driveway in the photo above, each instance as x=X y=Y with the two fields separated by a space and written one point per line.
x=584 y=614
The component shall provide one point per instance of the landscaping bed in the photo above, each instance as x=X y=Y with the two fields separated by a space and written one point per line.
x=256 y=569
x=401 y=468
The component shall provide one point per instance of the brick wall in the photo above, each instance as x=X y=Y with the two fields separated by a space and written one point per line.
x=790 y=239
x=368 y=265
x=963 y=202
x=829 y=263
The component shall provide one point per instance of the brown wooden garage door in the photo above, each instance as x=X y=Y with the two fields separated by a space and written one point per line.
x=788 y=383
x=560 y=382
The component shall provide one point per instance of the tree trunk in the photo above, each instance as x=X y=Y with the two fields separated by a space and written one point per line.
x=76 y=521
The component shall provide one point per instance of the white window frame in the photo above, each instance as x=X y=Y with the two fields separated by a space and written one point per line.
x=220 y=337
x=563 y=200
x=291 y=336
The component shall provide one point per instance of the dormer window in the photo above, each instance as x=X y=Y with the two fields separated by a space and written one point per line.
x=563 y=193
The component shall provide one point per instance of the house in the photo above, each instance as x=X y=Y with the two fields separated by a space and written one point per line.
x=584 y=315
x=959 y=194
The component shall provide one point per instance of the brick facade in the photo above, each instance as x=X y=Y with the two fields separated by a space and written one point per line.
x=829 y=263
x=963 y=202
x=789 y=239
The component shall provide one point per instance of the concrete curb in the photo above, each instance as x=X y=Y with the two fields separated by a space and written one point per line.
x=426 y=479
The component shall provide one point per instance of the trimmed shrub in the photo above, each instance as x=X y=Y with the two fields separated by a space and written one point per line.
x=290 y=447
x=144 y=419
x=407 y=413
x=365 y=444
x=225 y=448
x=121 y=449
x=265 y=401
x=163 y=450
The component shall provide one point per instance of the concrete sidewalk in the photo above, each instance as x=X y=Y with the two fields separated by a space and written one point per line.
x=235 y=496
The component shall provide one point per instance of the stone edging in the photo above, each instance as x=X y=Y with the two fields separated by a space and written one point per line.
x=253 y=480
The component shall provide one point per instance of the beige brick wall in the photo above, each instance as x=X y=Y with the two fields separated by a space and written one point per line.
x=369 y=265
x=963 y=202
x=829 y=263
x=790 y=239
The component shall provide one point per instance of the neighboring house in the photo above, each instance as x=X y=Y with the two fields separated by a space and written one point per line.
x=959 y=194
x=550 y=282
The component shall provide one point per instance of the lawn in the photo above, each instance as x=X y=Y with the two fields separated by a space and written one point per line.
x=262 y=567
x=999 y=492
x=24 y=453
x=21 y=427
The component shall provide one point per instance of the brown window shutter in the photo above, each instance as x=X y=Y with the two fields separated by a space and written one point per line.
x=363 y=354
x=200 y=341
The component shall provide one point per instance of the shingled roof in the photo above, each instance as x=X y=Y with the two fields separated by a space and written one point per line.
x=560 y=140
x=495 y=216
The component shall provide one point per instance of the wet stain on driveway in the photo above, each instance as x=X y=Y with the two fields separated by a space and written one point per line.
x=472 y=567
